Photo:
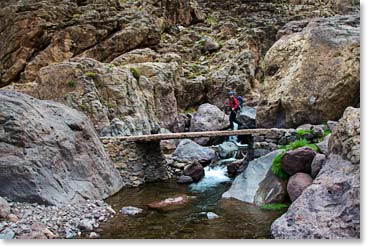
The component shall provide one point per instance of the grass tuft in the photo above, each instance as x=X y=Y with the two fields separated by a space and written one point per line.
x=274 y=206
x=135 y=72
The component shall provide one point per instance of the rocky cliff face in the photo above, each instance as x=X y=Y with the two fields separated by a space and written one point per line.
x=330 y=206
x=312 y=74
x=50 y=153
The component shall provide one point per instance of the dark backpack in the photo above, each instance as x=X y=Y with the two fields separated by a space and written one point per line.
x=240 y=101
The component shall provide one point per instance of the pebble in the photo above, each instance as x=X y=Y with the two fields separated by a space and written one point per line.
x=212 y=215
x=93 y=235
x=131 y=210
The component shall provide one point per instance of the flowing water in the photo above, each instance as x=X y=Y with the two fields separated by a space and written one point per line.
x=237 y=219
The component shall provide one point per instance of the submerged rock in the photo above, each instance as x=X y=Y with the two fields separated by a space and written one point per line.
x=169 y=203
x=131 y=210
x=53 y=156
x=257 y=184
x=184 y=179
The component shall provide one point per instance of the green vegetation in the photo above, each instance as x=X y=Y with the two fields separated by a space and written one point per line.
x=302 y=132
x=84 y=107
x=327 y=132
x=274 y=206
x=189 y=110
x=276 y=168
x=110 y=65
x=91 y=75
x=210 y=20
x=76 y=16
x=71 y=83
x=135 y=72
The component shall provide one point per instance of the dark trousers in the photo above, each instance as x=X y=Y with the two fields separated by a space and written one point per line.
x=232 y=118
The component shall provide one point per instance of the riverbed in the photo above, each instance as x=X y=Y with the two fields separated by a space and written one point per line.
x=237 y=220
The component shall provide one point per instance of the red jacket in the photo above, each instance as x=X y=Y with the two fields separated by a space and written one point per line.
x=233 y=103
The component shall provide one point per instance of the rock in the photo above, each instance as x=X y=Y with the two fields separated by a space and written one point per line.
x=210 y=45
x=93 y=235
x=131 y=210
x=12 y=218
x=257 y=184
x=49 y=234
x=136 y=56
x=181 y=12
x=317 y=164
x=169 y=203
x=7 y=234
x=4 y=208
x=301 y=78
x=330 y=207
x=331 y=124
x=212 y=215
x=324 y=145
x=318 y=132
x=82 y=30
x=56 y=156
x=297 y=183
x=247 y=118
x=227 y=150
x=195 y=170
x=235 y=168
x=184 y=179
x=298 y=160
x=85 y=225
x=261 y=152
x=181 y=123
x=345 y=139
x=208 y=118
x=190 y=151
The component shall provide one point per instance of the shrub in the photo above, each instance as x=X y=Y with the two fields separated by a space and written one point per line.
x=327 y=132
x=302 y=132
x=71 y=83
x=135 y=72
x=84 y=107
x=274 y=206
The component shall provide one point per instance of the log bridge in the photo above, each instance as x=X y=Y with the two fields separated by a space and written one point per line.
x=139 y=159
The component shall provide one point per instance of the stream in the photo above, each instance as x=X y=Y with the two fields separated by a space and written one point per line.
x=237 y=219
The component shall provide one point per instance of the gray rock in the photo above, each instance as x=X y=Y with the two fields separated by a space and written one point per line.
x=318 y=132
x=212 y=215
x=257 y=184
x=7 y=234
x=53 y=156
x=227 y=150
x=184 y=179
x=317 y=164
x=85 y=225
x=4 y=208
x=324 y=145
x=297 y=183
x=247 y=118
x=210 y=45
x=131 y=210
x=188 y=150
x=331 y=124
x=261 y=152
x=93 y=235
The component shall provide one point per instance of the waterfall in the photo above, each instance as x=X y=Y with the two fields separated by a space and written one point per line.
x=213 y=177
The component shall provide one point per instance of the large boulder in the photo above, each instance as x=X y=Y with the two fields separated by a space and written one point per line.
x=50 y=153
x=257 y=184
x=247 y=117
x=298 y=160
x=317 y=164
x=297 y=183
x=330 y=207
x=227 y=150
x=312 y=75
x=188 y=150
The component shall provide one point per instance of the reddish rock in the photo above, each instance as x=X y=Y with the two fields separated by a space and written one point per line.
x=169 y=203
x=12 y=218
x=234 y=167
x=298 y=160
x=195 y=171
x=297 y=184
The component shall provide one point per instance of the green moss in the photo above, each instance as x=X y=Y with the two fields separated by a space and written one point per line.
x=76 y=16
x=302 y=132
x=91 y=75
x=274 y=206
x=84 y=107
x=135 y=72
x=110 y=65
x=210 y=20
x=71 y=83
x=327 y=132
x=276 y=168
x=189 y=110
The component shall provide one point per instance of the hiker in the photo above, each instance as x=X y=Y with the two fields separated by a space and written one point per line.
x=233 y=104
